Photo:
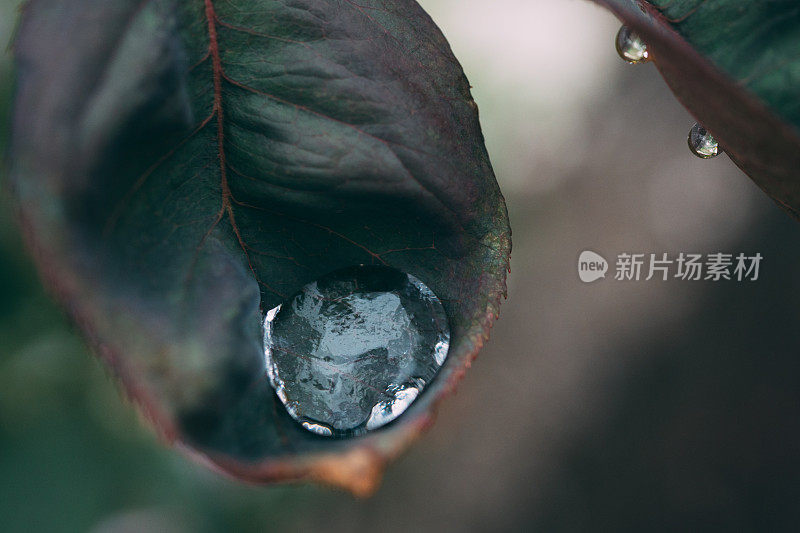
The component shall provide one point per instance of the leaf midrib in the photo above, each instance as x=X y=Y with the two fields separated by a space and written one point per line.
x=226 y=207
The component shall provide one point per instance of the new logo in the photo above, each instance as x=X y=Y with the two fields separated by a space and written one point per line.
x=591 y=266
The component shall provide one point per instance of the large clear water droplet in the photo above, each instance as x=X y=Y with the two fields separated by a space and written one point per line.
x=702 y=144
x=351 y=351
x=631 y=47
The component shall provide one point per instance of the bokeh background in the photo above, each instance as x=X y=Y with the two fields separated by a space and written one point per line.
x=612 y=406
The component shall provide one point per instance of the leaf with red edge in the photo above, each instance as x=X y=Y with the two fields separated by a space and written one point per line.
x=735 y=65
x=182 y=166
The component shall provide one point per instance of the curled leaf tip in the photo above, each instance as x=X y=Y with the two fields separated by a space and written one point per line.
x=183 y=167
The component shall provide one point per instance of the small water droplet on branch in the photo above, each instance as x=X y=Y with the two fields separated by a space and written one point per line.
x=703 y=144
x=631 y=47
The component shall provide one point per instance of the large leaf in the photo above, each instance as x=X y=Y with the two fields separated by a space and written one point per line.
x=736 y=66
x=181 y=166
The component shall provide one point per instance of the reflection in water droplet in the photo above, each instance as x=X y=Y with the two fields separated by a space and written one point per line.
x=319 y=429
x=440 y=351
x=703 y=144
x=631 y=47
x=351 y=351
x=387 y=410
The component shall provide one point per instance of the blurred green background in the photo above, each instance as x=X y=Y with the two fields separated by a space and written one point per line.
x=611 y=406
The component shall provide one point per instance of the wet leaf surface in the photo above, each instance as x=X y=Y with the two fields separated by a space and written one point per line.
x=736 y=66
x=180 y=167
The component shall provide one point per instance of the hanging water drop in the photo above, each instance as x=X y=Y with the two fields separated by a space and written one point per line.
x=351 y=351
x=702 y=144
x=631 y=47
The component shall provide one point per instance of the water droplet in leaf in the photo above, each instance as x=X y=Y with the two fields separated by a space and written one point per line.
x=631 y=47
x=351 y=351
x=702 y=144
